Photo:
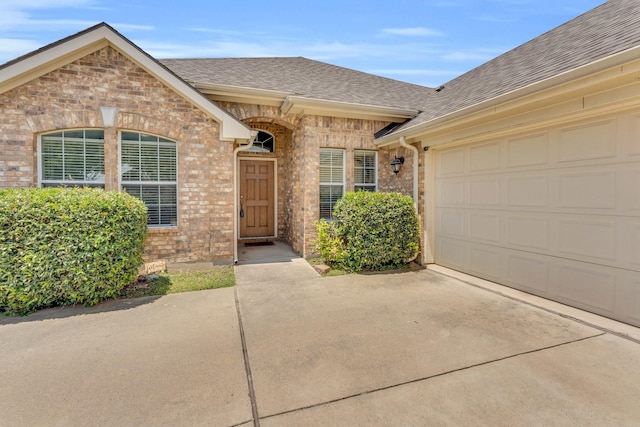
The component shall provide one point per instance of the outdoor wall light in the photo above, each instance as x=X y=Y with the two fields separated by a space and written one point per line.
x=109 y=116
x=396 y=163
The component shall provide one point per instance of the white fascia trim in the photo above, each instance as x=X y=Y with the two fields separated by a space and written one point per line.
x=299 y=104
x=603 y=64
x=49 y=59
x=239 y=91
x=231 y=129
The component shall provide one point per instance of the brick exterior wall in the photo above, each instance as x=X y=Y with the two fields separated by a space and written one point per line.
x=298 y=163
x=71 y=96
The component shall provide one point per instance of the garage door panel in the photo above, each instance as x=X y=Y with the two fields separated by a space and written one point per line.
x=587 y=286
x=593 y=239
x=527 y=191
x=484 y=192
x=451 y=192
x=451 y=223
x=629 y=295
x=631 y=192
x=632 y=249
x=590 y=190
x=529 y=232
x=485 y=226
x=590 y=141
x=634 y=146
x=484 y=261
x=451 y=253
x=451 y=162
x=484 y=157
x=528 y=151
x=555 y=213
x=528 y=272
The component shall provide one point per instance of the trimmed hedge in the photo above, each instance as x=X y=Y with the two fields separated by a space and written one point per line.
x=62 y=246
x=372 y=231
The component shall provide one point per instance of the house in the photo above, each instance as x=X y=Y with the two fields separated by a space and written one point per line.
x=525 y=170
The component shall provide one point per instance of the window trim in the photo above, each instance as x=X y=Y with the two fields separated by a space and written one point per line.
x=260 y=149
x=122 y=183
x=69 y=183
x=321 y=183
x=375 y=170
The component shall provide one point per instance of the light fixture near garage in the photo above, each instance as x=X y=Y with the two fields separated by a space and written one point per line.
x=396 y=163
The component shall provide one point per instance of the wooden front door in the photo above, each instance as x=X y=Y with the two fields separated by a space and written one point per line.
x=257 y=206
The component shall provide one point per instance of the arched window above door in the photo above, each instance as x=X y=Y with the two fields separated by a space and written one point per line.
x=265 y=142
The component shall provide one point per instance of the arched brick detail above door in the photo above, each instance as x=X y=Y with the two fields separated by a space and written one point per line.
x=253 y=113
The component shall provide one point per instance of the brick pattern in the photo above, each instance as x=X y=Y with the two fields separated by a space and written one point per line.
x=298 y=143
x=71 y=96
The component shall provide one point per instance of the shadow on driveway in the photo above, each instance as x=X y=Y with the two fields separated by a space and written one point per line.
x=79 y=310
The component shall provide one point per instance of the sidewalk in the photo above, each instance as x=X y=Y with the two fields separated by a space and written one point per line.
x=286 y=347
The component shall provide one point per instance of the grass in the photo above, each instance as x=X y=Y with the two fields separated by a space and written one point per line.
x=187 y=281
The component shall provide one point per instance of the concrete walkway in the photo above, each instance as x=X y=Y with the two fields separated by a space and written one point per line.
x=286 y=347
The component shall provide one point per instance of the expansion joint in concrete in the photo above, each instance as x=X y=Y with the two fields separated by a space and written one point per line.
x=247 y=366
x=488 y=362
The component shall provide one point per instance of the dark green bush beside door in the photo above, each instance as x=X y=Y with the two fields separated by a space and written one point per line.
x=372 y=231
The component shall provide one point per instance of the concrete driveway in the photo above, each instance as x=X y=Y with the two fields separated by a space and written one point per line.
x=293 y=349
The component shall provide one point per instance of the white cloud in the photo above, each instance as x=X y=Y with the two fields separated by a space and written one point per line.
x=412 y=31
x=23 y=16
x=133 y=27
x=274 y=48
x=15 y=13
x=16 y=47
x=497 y=19
x=214 y=31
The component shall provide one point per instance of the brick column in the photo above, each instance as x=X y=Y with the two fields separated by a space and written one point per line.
x=111 y=159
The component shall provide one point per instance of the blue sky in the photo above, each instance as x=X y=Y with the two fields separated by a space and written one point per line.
x=426 y=42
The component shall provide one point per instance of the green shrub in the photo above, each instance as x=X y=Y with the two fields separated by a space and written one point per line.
x=61 y=246
x=372 y=231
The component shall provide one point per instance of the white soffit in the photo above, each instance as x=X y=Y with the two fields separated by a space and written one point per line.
x=302 y=105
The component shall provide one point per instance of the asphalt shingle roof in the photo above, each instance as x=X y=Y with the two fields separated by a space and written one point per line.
x=608 y=29
x=302 y=77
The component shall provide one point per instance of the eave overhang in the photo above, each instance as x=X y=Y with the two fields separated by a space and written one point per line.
x=311 y=106
x=301 y=105
x=564 y=93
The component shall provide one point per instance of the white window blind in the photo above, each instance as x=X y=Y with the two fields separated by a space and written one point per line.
x=331 y=180
x=72 y=158
x=148 y=166
x=365 y=170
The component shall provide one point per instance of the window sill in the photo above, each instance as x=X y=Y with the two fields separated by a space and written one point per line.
x=163 y=230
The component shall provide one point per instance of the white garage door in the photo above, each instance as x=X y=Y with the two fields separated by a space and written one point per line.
x=555 y=213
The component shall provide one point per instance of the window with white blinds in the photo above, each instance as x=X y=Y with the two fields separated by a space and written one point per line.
x=331 y=180
x=148 y=170
x=72 y=158
x=365 y=170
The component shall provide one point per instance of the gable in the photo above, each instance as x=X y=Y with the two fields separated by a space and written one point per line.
x=63 y=52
